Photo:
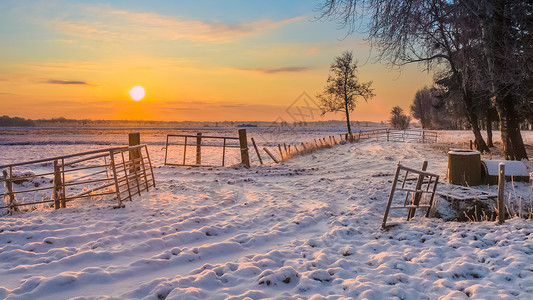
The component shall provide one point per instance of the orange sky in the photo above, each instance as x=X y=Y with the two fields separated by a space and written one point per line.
x=81 y=60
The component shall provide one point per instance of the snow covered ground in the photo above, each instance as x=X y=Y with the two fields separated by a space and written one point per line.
x=308 y=228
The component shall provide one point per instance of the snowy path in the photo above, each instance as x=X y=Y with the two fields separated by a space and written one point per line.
x=306 y=228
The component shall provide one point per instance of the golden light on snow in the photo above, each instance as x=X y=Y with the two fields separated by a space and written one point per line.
x=137 y=93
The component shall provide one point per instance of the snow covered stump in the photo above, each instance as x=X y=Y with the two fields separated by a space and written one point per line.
x=464 y=167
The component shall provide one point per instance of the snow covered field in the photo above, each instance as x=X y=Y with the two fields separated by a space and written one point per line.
x=304 y=229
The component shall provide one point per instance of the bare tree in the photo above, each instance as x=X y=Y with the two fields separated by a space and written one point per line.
x=506 y=39
x=398 y=119
x=343 y=88
x=446 y=35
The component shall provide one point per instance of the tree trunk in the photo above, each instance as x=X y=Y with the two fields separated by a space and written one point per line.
x=495 y=34
x=512 y=141
x=489 y=128
x=348 y=121
x=473 y=120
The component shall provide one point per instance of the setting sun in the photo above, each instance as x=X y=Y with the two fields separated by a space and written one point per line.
x=137 y=93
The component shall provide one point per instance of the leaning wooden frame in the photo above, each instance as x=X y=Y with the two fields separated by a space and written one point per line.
x=119 y=171
x=425 y=183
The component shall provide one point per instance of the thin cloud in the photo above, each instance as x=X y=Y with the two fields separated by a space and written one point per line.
x=275 y=70
x=67 y=82
x=118 y=25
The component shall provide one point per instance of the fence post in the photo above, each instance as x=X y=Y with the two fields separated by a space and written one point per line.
x=280 y=152
x=501 y=193
x=166 y=151
x=243 y=142
x=9 y=190
x=257 y=151
x=115 y=178
x=199 y=148
x=134 y=139
x=271 y=155
x=58 y=189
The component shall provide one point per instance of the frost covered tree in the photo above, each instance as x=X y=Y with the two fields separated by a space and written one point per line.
x=343 y=88
x=398 y=120
x=477 y=43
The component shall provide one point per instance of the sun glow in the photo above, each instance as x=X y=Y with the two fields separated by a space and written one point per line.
x=137 y=93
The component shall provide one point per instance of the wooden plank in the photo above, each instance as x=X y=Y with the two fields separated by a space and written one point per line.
x=203 y=136
x=391 y=196
x=150 y=164
x=271 y=155
x=85 y=159
x=410 y=206
x=115 y=175
x=257 y=151
x=51 y=159
x=416 y=196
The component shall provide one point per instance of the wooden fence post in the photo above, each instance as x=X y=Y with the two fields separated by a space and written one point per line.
x=199 y=148
x=501 y=193
x=271 y=155
x=9 y=190
x=134 y=139
x=243 y=142
x=280 y=152
x=257 y=151
x=58 y=186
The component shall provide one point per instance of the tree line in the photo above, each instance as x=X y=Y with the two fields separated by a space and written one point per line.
x=480 y=53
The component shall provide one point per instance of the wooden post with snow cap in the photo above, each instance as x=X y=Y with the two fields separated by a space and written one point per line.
x=243 y=142
x=501 y=193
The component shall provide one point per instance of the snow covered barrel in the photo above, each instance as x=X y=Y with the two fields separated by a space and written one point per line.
x=514 y=170
x=464 y=167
